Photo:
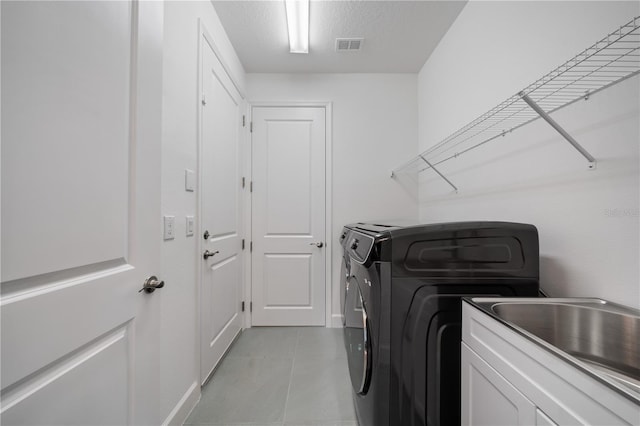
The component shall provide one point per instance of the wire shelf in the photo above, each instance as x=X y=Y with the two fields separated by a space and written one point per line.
x=609 y=61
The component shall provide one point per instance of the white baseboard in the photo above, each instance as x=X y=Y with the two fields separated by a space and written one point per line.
x=183 y=408
x=336 y=321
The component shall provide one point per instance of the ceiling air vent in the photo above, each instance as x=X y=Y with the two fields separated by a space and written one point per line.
x=348 y=44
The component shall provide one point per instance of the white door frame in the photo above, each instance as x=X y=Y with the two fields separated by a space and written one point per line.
x=329 y=241
x=204 y=36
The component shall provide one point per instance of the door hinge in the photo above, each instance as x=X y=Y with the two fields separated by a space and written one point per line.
x=243 y=121
x=243 y=306
x=250 y=245
x=243 y=181
x=204 y=100
x=243 y=244
x=251 y=186
x=250 y=306
x=251 y=126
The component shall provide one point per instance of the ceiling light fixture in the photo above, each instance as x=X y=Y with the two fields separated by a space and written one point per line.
x=298 y=24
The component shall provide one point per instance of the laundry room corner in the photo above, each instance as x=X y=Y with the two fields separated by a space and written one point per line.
x=588 y=219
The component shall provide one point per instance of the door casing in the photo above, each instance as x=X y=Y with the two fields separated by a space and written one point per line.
x=330 y=321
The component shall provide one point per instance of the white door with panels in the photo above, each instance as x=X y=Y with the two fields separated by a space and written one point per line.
x=220 y=224
x=288 y=216
x=81 y=129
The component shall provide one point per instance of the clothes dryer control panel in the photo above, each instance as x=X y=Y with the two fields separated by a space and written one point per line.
x=359 y=246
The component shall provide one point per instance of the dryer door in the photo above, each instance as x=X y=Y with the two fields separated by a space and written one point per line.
x=357 y=338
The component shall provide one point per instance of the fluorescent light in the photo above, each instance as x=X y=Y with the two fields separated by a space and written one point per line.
x=298 y=24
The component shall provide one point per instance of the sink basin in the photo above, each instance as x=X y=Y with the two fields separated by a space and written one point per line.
x=602 y=336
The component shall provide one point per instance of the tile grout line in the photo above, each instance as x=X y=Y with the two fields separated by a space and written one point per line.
x=293 y=364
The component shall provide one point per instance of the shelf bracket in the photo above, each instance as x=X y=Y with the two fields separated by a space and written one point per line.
x=438 y=172
x=559 y=129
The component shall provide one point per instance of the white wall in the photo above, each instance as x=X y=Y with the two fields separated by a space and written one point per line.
x=374 y=129
x=588 y=220
x=180 y=261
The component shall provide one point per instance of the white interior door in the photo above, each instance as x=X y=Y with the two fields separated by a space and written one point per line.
x=288 y=216
x=81 y=125
x=221 y=272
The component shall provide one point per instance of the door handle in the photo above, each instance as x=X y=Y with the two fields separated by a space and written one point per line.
x=150 y=284
x=318 y=244
x=207 y=254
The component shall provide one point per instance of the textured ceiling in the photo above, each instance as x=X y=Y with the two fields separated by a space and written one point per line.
x=399 y=35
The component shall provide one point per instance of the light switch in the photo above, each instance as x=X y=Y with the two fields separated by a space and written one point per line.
x=189 y=180
x=190 y=225
x=169 y=227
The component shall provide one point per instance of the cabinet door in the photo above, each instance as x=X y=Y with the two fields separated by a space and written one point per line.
x=488 y=398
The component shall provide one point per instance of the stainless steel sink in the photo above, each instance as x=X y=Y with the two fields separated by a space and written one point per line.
x=603 y=337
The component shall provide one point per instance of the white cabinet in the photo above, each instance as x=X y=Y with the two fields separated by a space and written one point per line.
x=488 y=398
x=509 y=380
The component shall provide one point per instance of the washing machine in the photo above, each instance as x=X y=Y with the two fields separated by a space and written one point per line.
x=401 y=300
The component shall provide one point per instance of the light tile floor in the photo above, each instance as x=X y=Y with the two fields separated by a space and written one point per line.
x=280 y=376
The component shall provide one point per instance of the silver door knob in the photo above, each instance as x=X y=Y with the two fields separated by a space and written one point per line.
x=318 y=244
x=207 y=254
x=150 y=284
